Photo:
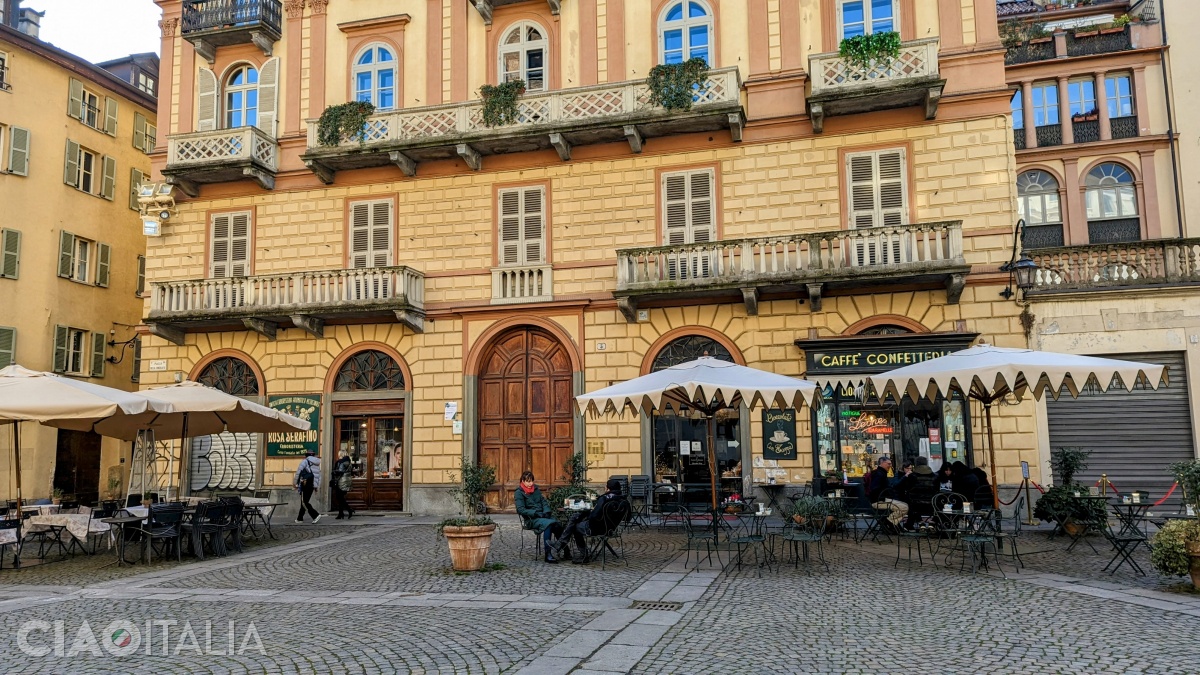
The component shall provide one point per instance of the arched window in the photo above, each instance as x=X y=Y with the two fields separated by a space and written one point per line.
x=1037 y=203
x=689 y=348
x=685 y=32
x=230 y=375
x=1111 y=201
x=374 y=75
x=886 y=329
x=241 y=98
x=370 y=370
x=523 y=55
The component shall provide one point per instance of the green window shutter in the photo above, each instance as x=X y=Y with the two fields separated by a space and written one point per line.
x=139 y=131
x=137 y=361
x=18 y=152
x=98 y=340
x=71 y=167
x=61 y=335
x=135 y=180
x=108 y=185
x=110 y=116
x=103 y=264
x=8 y=346
x=75 y=100
x=10 y=253
x=141 y=276
x=66 y=254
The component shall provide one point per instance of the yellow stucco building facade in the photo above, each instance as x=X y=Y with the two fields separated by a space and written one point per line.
x=440 y=289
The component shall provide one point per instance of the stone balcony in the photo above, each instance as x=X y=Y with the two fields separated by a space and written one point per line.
x=1106 y=267
x=793 y=265
x=302 y=300
x=518 y=284
x=842 y=88
x=209 y=24
x=221 y=156
x=606 y=113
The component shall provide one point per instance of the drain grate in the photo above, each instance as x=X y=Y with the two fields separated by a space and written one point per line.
x=654 y=604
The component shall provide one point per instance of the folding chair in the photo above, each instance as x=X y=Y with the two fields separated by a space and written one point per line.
x=162 y=524
x=1125 y=542
x=639 y=499
x=612 y=516
x=804 y=534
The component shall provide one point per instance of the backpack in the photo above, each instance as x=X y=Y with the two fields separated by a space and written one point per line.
x=306 y=474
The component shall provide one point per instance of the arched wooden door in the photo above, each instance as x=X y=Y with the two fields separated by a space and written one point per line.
x=525 y=414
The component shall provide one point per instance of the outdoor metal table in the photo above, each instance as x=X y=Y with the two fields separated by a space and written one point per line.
x=1132 y=516
x=262 y=510
x=772 y=491
x=750 y=533
x=972 y=536
x=122 y=522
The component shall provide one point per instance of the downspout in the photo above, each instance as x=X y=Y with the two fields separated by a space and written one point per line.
x=1162 y=51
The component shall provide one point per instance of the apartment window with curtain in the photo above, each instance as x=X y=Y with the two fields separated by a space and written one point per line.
x=1085 y=125
x=1110 y=198
x=1122 y=111
x=1038 y=204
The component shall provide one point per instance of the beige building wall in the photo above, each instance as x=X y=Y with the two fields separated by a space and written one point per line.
x=41 y=206
x=1180 y=17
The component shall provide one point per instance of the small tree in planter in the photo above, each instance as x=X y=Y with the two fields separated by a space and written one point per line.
x=1175 y=550
x=469 y=536
x=1058 y=504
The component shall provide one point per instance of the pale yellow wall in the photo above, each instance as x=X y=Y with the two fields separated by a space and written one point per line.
x=1182 y=59
x=40 y=205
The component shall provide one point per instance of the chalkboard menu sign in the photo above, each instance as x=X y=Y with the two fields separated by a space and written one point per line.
x=779 y=434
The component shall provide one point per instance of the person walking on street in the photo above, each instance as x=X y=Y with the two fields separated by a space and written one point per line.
x=339 y=485
x=306 y=480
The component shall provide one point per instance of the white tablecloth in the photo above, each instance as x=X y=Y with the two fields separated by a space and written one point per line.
x=139 y=511
x=43 y=509
x=8 y=536
x=78 y=524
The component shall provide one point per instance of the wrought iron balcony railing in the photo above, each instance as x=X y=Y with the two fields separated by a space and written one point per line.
x=209 y=24
x=1049 y=134
x=1096 y=267
x=1114 y=231
x=1124 y=127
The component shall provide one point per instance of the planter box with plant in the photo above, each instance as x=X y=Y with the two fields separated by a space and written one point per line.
x=344 y=121
x=863 y=52
x=674 y=86
x=147 y=499
x=1187 y=474
x=469 y=537
x=1175 y=550
x=56 y=496
x=500 y=102
x=1059 y=504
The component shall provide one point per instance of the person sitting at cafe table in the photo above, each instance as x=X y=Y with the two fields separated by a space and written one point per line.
x=983 y=493
x=962 y=481
x=945 y=477
x=534 y=509
x=878 y=482
x=917 y=490
x=582 y=525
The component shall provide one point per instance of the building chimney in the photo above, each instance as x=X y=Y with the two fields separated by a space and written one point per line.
x=29 y=21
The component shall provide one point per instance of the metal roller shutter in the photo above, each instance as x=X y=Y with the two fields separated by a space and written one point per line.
x=1134 y=436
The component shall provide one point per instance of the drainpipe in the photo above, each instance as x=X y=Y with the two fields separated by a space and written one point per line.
x=1162 y=51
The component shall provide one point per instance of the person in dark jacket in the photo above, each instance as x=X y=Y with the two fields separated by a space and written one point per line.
x=534 y=509
x=963 y=481
x=307 y=480
x=945 y=477
x=341 y=468
x=878 y=480
x=983 y=493
x=582 y=525
x=917 y=490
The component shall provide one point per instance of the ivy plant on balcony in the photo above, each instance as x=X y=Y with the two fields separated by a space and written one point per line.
x=862 y=51
x=344 y=121
x=674 y=86
x=500 y=102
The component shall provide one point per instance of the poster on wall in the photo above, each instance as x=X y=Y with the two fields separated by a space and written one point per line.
x=779 y=434
x=296 y=443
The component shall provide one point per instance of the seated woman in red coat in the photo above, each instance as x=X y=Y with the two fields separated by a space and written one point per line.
x=534 y=509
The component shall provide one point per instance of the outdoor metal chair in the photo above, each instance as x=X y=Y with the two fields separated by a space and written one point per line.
x=703 y=532
x=527 y=526
x=947 y=526
x=608 y=522
x=206 y=523
x=10 y=538
x=751 y=534
x=163 y=524
x=922 y=532
x=802 y=535
x=880 y=522
x=231 y=526
x=1125 y=542
x=640 y=493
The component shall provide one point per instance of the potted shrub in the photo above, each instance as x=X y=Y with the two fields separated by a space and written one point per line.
x=56 y=496
x=1175 y=550
x=674 y=86
x=146 y=499
x=1118 y=24
x=500 y=102
x=344 y=121
x=469 y=537
x=1059 y=503
x=804 y=508
x=574 y=474
x=1187 y=474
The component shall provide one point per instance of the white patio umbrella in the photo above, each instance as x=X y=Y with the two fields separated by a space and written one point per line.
x=706 y=385
x=66 y=403
x=987 y=374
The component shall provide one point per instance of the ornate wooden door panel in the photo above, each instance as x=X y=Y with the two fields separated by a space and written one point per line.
x=526 y=421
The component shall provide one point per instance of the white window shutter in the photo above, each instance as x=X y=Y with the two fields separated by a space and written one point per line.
x=10 y=253
x=71 y=165
x=135 y=180
x=61 y=336
x=533 y=226
x=18 y=151
x=689 y=218
x=381 y=234
x=98 y=345
x=268 y=95
x=219 y=248
x=108 y=184
x=206 y=101
x=66 y=254
x=675 y=213
x=103 y=264
x=893 y=205
x=700 y=184
x=860 y=177
x=110 y=116
x=239 y=245
x=510 y=227
x=75 y=99
x=8 y=346
x=139 y=131
x=360 y=235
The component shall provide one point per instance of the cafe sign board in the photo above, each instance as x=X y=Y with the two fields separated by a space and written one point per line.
x=779 y=433
x=877 y=354
x=296 y=443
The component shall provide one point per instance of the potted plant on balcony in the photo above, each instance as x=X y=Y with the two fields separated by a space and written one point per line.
x=500 y=102
x=1118 y=24
x=344 y=121
x=863 y=51
x=1087 y=31
x=675 y=86
x=1089 y=116
x=469 y=537
x=56 y=496
x=1175 y=550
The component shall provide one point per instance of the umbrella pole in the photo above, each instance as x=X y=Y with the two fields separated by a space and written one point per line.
x=182 y=448
x=712 y=459
x=17 y=461
x=987 y=413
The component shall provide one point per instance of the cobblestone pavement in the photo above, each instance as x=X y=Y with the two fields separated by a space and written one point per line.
x=376 y=596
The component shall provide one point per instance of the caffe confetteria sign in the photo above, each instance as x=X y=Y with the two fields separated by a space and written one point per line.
x=779 y=434
x=296 y=443
x=867 y=361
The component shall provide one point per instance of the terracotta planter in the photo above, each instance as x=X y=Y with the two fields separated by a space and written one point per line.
x=1089 y=33
x=1072 y=528
x=469 y=546
x=1107 y=31
x=56 y=501
x=799 y=520
x=146 y=503
x=1195 y=571
x=1038 y=41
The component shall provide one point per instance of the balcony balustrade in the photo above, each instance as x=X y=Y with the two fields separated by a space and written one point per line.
x=792 y=265
x=561 y=119
x=842 y=88
x=209 y=24
x=1114 y=231
x=304 y=299
x=219 y=156
x=530 y=283
x=1048 y=135
x=1099 y=267
x=1124 y=127
x=1086 y=132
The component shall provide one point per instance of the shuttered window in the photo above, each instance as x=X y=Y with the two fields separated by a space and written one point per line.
x=72 y=349
x=230 y=245
x=8 y=346
x=108 y=180
x=103 y=264
x=97 y=354
x=137 y=361
x=206 y=100
x=878 y=192
x=10 y=253
x=145 y=135
x=688 y=207
x=141 y=276
x=18 y=151
x=522 y=226
x=135 y=181
x=371 y=234
x=110 y=116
